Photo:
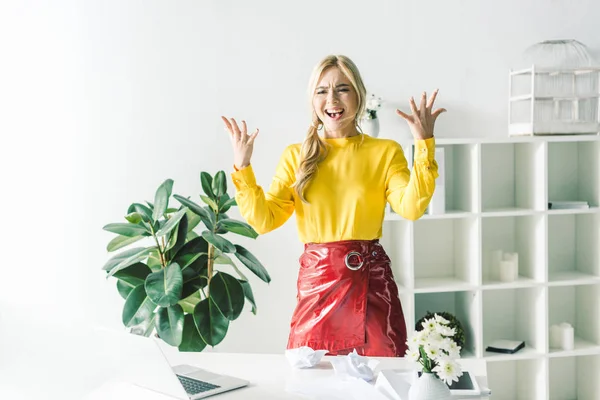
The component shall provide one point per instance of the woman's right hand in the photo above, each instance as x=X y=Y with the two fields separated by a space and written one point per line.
x=241 y=141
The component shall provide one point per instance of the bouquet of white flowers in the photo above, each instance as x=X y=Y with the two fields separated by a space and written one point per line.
x=434 y=348
x=373 y=104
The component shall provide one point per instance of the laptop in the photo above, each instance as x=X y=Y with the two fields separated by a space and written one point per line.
x=143 y=363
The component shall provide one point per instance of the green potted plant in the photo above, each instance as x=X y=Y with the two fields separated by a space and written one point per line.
x=177 y=285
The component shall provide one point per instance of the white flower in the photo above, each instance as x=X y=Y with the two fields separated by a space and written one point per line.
x=446 y=331
x=448 y=370
x=423 y=337
x=433 y=352
x=441 y=320
x=429 y=324
x=413 y=355
x=373 y=103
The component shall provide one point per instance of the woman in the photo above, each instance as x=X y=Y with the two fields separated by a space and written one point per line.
x=338 y=183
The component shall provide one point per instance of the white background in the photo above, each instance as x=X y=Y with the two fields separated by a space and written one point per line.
x=100 y=101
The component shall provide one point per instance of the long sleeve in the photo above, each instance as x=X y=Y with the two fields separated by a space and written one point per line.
x=409 y=193
x=266 y=212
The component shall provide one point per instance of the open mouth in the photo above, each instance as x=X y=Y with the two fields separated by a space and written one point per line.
x=334 y=114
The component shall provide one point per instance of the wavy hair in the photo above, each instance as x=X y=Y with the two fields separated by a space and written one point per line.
x=314 y=149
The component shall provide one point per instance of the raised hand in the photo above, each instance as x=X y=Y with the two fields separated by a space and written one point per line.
x=422 y=120
x=242 y=142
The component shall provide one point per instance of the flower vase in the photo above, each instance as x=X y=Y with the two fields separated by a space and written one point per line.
x=370 y=126
x=429 y=387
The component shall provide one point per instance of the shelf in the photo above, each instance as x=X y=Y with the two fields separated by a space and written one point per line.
x=581 y=347
x=517 y=379
x=580 y=307
x=555 y=98
x=573 y=241
x=526 y=353
x=425 y=285
x=574 y=377
x=574 y=172
x=564 y=278
x=591 y=210
x=508 y=212
x=512 y=177
x=462 y=304
x=454 y=259
x=521 y=282
x=514 y=314
x=522 y=235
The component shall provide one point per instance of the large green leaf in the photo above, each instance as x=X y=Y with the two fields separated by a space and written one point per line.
x=195 y=208
x=135 y=274
x=193 y=220
x=248 y=293
x=127 y=258
x=225 y=203
x=138 y=307
x=161 y=199
x=118 y=242
x=219 y=242
x=169 y=324
x=219 y=184
x=164 y=287
x=171 y=223
x=192 y=282
x=190 y=302
x=191 y=235
x=134 y=217
x=210 y=322
x=252 y=263
x=206 y=181
x=127 y=229
x=124 y=288
x=228 y=295
x=177 y=238
x=193 y=247
x=141 y=209
x=239 y=227
x=212 y=203
x=191 y=339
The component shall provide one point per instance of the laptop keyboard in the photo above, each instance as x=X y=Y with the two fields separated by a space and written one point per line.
x=194 y=386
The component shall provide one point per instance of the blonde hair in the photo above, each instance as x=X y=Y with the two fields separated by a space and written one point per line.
x=314 y=149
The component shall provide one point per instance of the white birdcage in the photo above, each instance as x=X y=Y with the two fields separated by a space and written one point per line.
x=558 y=94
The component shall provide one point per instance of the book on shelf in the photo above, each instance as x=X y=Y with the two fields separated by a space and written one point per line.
x=506 y=346
x=565 y=205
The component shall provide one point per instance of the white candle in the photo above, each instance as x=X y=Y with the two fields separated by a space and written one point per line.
x=508 y=271
x=555 y=337
x=495 y=258
x=567 y=336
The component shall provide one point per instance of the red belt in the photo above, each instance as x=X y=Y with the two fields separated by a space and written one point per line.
x=347 y=299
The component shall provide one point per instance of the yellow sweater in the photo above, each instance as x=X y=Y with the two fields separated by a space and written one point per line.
x=347 y=197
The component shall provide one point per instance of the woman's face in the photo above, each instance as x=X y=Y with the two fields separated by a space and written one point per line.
x=335 y=101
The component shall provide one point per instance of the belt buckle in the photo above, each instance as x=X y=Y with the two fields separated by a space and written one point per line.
x=347 y=260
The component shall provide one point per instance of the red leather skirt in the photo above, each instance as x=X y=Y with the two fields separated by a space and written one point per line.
x=347 y=299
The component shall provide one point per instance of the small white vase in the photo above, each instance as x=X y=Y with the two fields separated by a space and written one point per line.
x=429 y=387
x=370 y=126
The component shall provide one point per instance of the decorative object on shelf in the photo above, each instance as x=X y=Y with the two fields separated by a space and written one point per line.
x=434 y=348
x=562 y=336
x=557 y=93
x=173 y=286
x=506 y=346
x=453 y=322
x=566 y=205
x=369 y=123
x=437 y=205
x=505 y=266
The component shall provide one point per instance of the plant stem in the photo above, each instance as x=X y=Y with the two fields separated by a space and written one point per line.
x=160 y=250
x=211 y=251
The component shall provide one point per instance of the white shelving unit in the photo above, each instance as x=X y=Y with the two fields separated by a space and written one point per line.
x=497 y=194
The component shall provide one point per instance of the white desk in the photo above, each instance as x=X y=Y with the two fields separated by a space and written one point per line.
x=268 y=373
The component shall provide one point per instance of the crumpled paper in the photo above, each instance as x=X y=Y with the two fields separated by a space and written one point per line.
x=355 y=366
x=304 y=357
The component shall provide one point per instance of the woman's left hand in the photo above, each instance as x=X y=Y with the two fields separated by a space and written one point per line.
x=422 y=120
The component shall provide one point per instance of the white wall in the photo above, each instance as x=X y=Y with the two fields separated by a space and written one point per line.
x=101 y=101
